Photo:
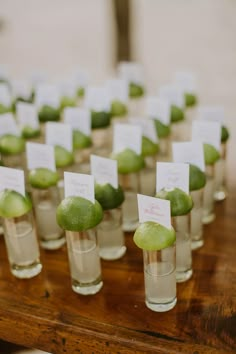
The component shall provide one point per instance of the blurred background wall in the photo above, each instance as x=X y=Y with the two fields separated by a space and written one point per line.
x=166 y=35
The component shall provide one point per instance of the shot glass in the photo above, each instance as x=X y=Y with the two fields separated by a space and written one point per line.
x=148 y=176
x=220 y=175
x=160 y=279
x=131 y=185
x=22 y=246
x=165 y=149
x=102 y=141
x=84 y=261
x=181 y=224
x=208 y=195
x=14 y=160
x=45 y=201
x=110 y=235
x=196 y=219
x=82 y=160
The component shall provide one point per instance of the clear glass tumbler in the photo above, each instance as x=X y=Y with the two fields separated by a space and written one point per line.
x=148 y=176
x=110 y=235
x=196 y=219
x=131 y=185
x=220 y=175
x=22 y=246
x=181 y=224
x=208 y=195
x=84 y=261
x=160 y=279
x=46 y=201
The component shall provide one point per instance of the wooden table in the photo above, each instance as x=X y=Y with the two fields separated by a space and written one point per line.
x=45 y=313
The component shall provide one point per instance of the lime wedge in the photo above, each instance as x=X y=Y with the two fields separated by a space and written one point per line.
x=118 y=109
x=190 y=99
x=211 y=155
x=162 y=130
x=149 y=148
x=80 y=140
x=108 y=196
x=4 y=109
x=177 y=114
x=180 y=202
x=151 y=236
x=128 y=161
x=13 y=204
x=224 y=134
x=43 y=178
x=197 y=178
x=67 y=102
x=49 y=114
x=100 y=119
x=63 y=157
x=135 y=90
x=78 y=214
x=11 y=144
x=80 y=92
x=28 y=132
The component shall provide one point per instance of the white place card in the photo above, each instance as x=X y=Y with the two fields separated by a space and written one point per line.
x=158 y=108
x=47 y=95
x=131 y=71
x=8 y=125
x=97 y=99
x=172 y=175
x=154 y=209
x=78 y=119
x=4 y=72
x=40 y=155
x=68 y=88
x=37 y=77
x=186 y=80
x=118 y=89
x=13 y=179
x=212 y=113
x=21 y=88
x=26 y=114
x=59 y=134
x=79 y=185
x=207 y=132
x=104 y=170
x=148 y=127
x=173 y=94
x=81 y=77
x=189 y=152
x=5 y=96
x=127 y=136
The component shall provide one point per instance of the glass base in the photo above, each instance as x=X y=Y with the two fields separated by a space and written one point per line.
x=112 y=254
x=26 y=272
x=183 y=276
x=130 y=226
x=1 y=230
x=220 y=195
x=53 y=244
x=87 y=289
x=207 y=219
x=195 y=244
x=161 y=307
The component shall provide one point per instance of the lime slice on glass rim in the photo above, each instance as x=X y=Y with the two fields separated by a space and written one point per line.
x=149 y=148
x=100 y=119
x=180 y=202
x=197 y=178
x=108 y=196
x=118 y=109
x=43 y=178
x=135 y=90
x=49 y=114
x=80 y=91
x=190 y=99
x=128 y=161
x=151 y=236
x=13 y=204
x=63 y=157
x=162 y=129
x=176 y=115
x=11 y=144
x=211 y=155
x=78 y=214
x=224 y=134
x=5 y=109
x=67 y=102
x=28 y=132
x=80 y=140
